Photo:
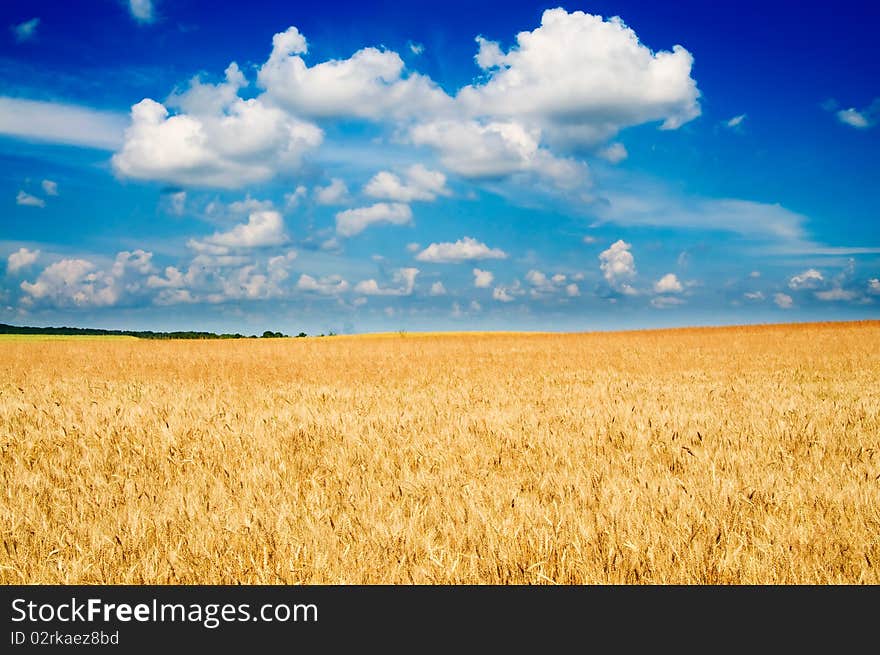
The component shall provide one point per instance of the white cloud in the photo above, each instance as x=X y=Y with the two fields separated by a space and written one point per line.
x=537 y=278
x=618 y=266
x=736 y=121
x=615 y=153
x=173 y=279
x=142 y=10
x=174 y=297
x=508 y=293
x=502 y=294
x=369 y=84
x=663 y=302
x=859 y=118
x=465 y=249
x=853 y=118
x=572 y=290
x=292 y=199
x=177 y=202
x=482 y=279
x=329 y=285
x=278 y=267
x=28 y=200
x=61 y=123
x=74 y=282
x=755 y=274
x=250 y=205
x=220 y=140
x=437 y=289
x=874 y=285
x=753 y=295
x=405 y=278
x=421 y=184
x=354 y=221
x=333 y=194
x=138 y=260
x=783 y=300
x=26 y=31
x=835 y=294
x=50 y=188
x=809 y=279
x=416 y=48
x=413 y=247
x=20 y=259
x=668 y=284
x=583 y=79
x=496 y=149
x=263 y=228
x=589 y=239
x=650 y=204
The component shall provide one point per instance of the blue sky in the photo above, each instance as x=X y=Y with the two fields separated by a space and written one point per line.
x=436 y=166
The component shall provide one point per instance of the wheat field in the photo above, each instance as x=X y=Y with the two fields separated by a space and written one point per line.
x=728 y=455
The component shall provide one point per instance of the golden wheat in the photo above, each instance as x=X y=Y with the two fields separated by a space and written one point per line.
x=736 y=455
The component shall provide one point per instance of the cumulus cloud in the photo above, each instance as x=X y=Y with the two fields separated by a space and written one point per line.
x=50 y=188
x=668 y=284
x=79 y=283
x=404 y=278
x=572 y=290
x=21 y=258
x=25 y=31
x=783 y=300
x=465 y=249
x=138 y=260
x=583 y=79
x=263 y=228
x=618 y=266
x=482 y=279
x=219 y=139
x=354 y=221
x=437 y=289
x=507 y=293
x=874 y=285
x=421 y=184
x=496 y=149
x=27 y=200
x=333 y=194
x=372 y=83
x=328 y=285
x=809 y=279
x=61 y=123
x=142 y=10
x=753 y=295
x=173 y=279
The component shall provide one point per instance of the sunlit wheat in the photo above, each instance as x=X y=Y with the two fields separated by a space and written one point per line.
x=735 y=455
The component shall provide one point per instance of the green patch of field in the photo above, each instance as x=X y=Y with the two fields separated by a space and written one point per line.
x=63 y=337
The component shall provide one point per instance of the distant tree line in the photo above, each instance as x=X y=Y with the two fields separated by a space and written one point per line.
x=140 y=334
